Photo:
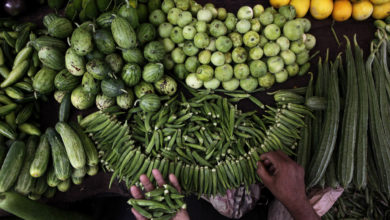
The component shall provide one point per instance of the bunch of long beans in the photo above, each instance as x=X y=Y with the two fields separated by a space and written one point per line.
x=205 y=141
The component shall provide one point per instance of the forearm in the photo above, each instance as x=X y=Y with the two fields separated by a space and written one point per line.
x=302 y=210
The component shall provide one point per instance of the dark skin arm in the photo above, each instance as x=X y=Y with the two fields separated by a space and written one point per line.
x=285 y=179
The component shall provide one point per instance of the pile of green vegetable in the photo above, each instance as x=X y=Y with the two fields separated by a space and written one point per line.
x=209 y=47
x=208 y=143
x=25 y=152
x=161 y=203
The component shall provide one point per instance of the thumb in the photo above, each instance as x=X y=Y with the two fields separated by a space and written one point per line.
x=263 y=173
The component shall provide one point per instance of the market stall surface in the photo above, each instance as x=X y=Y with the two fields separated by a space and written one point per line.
x=93 y=195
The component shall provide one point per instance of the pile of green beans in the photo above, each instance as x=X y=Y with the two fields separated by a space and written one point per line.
x=161 y=203
x=208 y=143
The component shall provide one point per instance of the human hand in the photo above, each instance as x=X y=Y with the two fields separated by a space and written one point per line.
x=285 y=179
x=137 y=194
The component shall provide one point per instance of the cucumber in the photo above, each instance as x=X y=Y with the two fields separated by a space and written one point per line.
x=73 y=145
x=59 y=157
x=60 y=28
x=47 y=41
x=12 y=165
x=81 y=41
x=79 y=173
x=77 y=180
x=93 y=170
x=25 y=182
x=44 y=80
x=63 y=113
x=27 y=209
x=50 y=192
x=3 y=153
x=41 y=158
x=52 y=179
x=105 y=19
x=112 y=87
x=64 y=185
x=104 y=41
x=65 y=81
x=89 y=146
x=52 y=58
x=24 y=114
x=7 y=131
x=74 y=62
x=40 y=186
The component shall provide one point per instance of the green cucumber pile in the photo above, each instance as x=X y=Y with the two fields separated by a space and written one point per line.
x=208 y=143
x=161 y=203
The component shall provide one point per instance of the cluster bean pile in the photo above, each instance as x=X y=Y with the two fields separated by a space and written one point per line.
x=208 y=47
x=208 y=143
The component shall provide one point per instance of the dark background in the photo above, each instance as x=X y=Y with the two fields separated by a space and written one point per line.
x=94 y=197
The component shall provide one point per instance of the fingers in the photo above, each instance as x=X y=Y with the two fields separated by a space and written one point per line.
x=137 y=215
x=273 y=157
x=159 y=178
x=263 y=174
x=136 y=192
x=174 y=182
x=146 y=183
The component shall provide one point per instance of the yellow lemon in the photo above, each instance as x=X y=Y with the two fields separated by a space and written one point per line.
x=301 y=7
x=362 y=10
x=381 y=11
x=321 y=9
x=279 y=3
x=342 y=10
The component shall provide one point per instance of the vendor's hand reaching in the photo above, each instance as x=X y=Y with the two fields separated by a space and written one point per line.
x=137 y=194
x=285 y=179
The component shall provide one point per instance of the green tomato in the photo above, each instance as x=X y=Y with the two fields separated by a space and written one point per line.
x=288 y=57
x=251 y=38
x=217 y=28
x=292 y=69
x=267 y=81
x=303 y=69
x=310 y=41
x=218 y=58
x=306 y=23
x=205 y=72
x=255 y=25
x=167 y=5
x=201 y=26
x=293 y=30
x=201 y=40
x=245 y=12
x=211 y=46
x=256 y=53
x=193 y=81
x=249 y=84
x=180 y=71
x=288 y=11
x=164 y=29
x=168 y=62
x=173 y=15
x=280 y=20
x=272 y=32
x=230 y=21
x=195 y=7
x=228 y=57
x=157 y=17
x=236 y=39
x=275 y=64
x=178 y=55
x=258 y=68
x=168 y=44
x=185 y=17
x=258 y=10
x=283 y=42
x=266 y=18
x=183 y=4
x=243 y=26
x=212 y=84
x=204 y=15
x=281 y=76
x=189 y=32
x=224 y=73
x=241 y=71
x=192 y=64
x=211 y=7
x=272 y=10
x=223 y=44
x=303 y=57
x=263 y=41
x=297 y=47
x=189 y=49
x=239 y=55
x=177 y=35
x=271 y=49
x=231 y=85
x=222 y=14
x=204 y=57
